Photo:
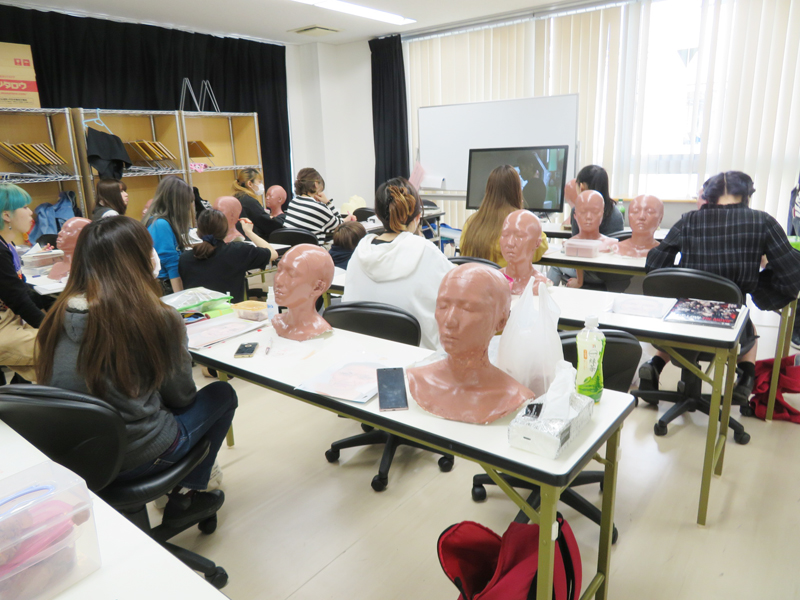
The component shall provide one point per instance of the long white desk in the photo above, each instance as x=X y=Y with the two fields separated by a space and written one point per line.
x=607 y=262
x=290 y=363
x=133 y=565
x=557 y=231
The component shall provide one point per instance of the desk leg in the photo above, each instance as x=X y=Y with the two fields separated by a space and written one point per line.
x=607 y=516
x=547 y=541
x=782 y=349
x=726 y=409
x=229 y=436
x=712 y=436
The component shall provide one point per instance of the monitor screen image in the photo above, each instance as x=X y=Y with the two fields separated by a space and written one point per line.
x=542 y=171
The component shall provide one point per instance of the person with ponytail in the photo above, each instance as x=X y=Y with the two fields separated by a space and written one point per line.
x=248 y=189
x=111 y=199
x=480 y=236
x=399 y=267
x=222 y=267
x=109 y=335
x=311 y=209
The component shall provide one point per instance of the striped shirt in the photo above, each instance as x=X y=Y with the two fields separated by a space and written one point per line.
x=320 y=219
x=729 y=240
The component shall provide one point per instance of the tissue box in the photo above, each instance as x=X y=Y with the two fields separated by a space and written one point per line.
x=42 y=259
x=48 y=539
x=548 y=437
x=582 y=248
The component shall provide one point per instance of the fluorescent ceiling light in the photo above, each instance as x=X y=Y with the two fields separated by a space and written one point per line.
x=359 y=11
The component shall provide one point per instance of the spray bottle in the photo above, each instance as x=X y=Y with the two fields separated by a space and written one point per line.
x=591 y=345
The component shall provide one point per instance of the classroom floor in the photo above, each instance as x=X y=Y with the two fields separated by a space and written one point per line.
x=296 y=527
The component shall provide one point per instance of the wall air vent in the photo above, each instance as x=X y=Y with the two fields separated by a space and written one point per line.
x=314 y=30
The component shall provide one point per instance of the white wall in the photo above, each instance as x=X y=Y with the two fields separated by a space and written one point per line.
x=330 y=116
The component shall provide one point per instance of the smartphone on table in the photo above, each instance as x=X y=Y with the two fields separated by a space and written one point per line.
x=392 y=390
x=246 y=350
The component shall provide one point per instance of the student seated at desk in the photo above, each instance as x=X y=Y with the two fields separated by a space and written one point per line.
x=399 y=267
x=109 y=335
x=480 y=236
x=248 y=189
x=19 y=315
x=222 y=267
x=345 y=239
x=168 y=220
x=728 y=238
x=311 y=209
x=112 y=199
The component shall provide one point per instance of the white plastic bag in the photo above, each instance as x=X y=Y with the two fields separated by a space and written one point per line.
x=530 y=348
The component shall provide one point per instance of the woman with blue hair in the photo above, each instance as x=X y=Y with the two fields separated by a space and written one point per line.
x=19 y=315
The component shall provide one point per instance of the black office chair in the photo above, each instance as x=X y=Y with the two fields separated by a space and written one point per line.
x=292 y=237
x=363 y=213
x=701 y=285
x=87 y=436
x=389 y=323
x=621 y=235
x=463 y=260
x=620 y=360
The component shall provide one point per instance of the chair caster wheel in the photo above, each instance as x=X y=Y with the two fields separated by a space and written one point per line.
x=746 y=410
x=635 y=402
x=209 y=525
x=379 y=483
x=332 y=455
x=446 y=464
x=741 y=438
x=478 y=493
x=660 y=429
x=614 y=535
x=366 y=428
x=219 y=579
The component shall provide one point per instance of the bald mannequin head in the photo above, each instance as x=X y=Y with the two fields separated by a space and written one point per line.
x=520 y=237
x=275 y=198
x=67 y=238
x=232 y=209
x=644 y=216
x=589 y=207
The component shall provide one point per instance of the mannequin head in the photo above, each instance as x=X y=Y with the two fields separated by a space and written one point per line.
x=645 y=214
x=304 y=273
x=67 y=239
x=570 y=192
x=589 y=214
x=275 y=198
x=232 y=209
x=520 y=237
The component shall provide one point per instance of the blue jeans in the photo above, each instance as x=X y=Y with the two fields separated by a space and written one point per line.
x=209 y=415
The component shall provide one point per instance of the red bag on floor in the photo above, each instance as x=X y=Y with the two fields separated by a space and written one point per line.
x=788 y=381
x=484 y=566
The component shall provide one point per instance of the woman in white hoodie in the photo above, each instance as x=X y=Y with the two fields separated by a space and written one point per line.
x=399 y=267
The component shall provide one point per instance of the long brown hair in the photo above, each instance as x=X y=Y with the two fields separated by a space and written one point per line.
x=397 y=204
x=173 y=202
x=213 y=223
x=131 y=340
x=245 y=177
x=503 y=196
x=109 y=193
x=307 y=180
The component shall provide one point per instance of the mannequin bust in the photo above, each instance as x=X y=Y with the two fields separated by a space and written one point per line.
x=232 y=209
x=304 y=273
x=275 y=198
x=67 y=238
x=644 y=215
x=519 y=239
x=474 y=303
x=589 y=207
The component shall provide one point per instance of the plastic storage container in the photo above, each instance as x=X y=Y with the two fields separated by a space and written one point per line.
x=48 y=539
x=582 y=248
x=252 y=310
x=42 y=259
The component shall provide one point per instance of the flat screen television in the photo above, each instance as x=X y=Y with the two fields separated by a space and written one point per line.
x=542 y=170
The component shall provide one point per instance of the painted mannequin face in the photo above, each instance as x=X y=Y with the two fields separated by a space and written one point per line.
x=231 y=208
x=304 y=273
x=645 y=214
x=520 y=236
x=276 y=196
x=68 y=236
x=589 y=213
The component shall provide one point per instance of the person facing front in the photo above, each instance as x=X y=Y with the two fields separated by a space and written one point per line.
x=311 y=209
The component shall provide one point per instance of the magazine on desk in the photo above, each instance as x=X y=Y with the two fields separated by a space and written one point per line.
x=704 y=312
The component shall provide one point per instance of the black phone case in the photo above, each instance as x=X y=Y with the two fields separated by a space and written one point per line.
x=392 y=389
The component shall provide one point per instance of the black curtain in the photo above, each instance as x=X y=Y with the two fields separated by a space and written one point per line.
x=95 y=63
x=389 y=112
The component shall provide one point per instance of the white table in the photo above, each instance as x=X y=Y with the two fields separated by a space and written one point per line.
x=133 y=565
x=556 y=230
x=290 y=363
x=606 y=262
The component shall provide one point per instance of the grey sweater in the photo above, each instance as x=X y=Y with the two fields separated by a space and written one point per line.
x=150 y=426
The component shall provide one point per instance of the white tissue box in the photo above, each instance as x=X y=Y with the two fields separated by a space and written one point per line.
x=548 y=437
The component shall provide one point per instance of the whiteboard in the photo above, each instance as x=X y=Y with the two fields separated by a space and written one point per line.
x=447 y=133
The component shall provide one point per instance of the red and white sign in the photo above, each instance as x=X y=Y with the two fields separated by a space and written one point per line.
x=18 y=87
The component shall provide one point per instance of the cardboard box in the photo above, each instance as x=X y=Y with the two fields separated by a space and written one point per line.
x=18 y=87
